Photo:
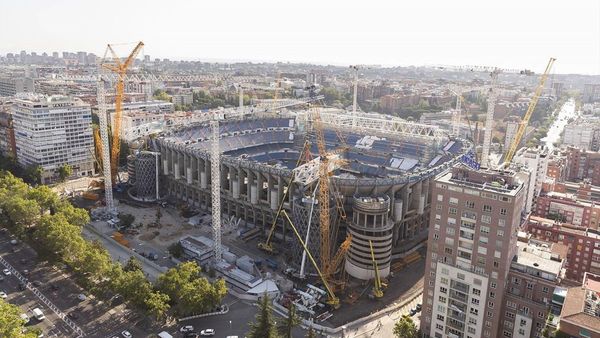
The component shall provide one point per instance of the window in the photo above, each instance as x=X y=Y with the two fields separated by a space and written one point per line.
x=490 y=314
x=484 y=229
x=493 y=285
x=460 y=276
x=482 y=250
x=503 y=211
x=439 y=327
x=500 y=233
x=486 y=219
x=474 y=301
x=452 y=211
x=444 y=280
x=483 y=240
x=545 y=289
x=450 y=231
x=492 y=294
x=497 y=254
x=516 y=281
x=436 y=236
x=487 y=208
x=445 y=271
x=476 y=292
x=442 y=299
x=448 y=251
x=440 y=318
x=529 y=285
x=474 y=311
x=443 y=289
x=509 y=315
x=501 y=222
x=453 y=201
x=470 y=204
x=438 y=207
x=440 y=198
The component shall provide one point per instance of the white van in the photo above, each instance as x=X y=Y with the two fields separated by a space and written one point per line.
x=38 y=314
x=164 y=334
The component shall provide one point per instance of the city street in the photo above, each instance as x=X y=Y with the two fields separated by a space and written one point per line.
x=95 y=318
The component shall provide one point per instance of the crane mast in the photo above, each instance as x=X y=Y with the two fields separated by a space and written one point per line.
x=215 y=187
x=523 y=124
x=489 y=118
x=110 y=204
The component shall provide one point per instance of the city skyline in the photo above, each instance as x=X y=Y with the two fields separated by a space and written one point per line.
x=380 y=33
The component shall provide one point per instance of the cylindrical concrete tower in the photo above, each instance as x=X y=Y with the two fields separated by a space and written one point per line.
x=145 y=177
x=370 y=221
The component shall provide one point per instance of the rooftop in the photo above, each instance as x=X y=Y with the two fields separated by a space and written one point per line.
x=496 y=181
x=582 y=304
x=537 y=259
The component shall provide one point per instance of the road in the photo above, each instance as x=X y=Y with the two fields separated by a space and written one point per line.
x=566 y=112
x=94 y=317
x=119 y=252
x=383 y=326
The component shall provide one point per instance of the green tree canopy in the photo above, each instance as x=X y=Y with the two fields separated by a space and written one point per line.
x=291 y=321
x=133 y=264
x=405 y=328
x=11 y=324
x=264 y=324
x=65 y=171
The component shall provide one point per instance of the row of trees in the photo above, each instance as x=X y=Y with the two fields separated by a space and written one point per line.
x=53 y=226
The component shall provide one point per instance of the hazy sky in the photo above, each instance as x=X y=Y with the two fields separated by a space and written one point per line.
x=505 y=33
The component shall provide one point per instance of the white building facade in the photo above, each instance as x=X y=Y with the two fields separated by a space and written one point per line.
x=52 y=131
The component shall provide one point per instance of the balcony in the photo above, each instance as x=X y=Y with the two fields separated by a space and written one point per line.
x=460 y=296
x=460 y=286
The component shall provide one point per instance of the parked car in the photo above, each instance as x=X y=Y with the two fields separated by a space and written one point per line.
x=207 y=332
x=419 y=307
x=126 y=334
x=37 y=283
x=81 y=297
x=3 y=295
x=187 y=328
x=6 y=272
x=22 y=286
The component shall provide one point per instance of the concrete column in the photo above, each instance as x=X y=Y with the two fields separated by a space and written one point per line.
x=165 y=160
x=176 y=165
x=188 y=168
x=259 y=186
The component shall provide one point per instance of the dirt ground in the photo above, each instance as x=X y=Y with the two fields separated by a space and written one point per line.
x=172 y=225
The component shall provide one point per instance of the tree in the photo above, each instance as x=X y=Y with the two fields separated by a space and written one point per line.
x=34 y=173
x=160 y=94
x=11 y=324
x=191 y=293
x=405 y=328
x=311 y=333
x=157 y=305
x=22 y=212
x=291 y=321
x=133 y=264
x=264 y=325
x=176 y=250
x=65 y=171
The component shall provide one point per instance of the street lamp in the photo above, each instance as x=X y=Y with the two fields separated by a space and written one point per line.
x=230 y=324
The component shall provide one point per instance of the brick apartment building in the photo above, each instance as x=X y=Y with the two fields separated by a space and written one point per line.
x=580 y=316
x=583 y=165
x=569 y=208
x=582 y=245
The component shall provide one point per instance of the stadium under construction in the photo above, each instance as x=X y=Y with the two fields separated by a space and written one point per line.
x=383 y=185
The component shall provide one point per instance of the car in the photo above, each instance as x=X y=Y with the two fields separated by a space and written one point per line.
x=3 y=295
x=73 y=315
x=187 y=328
x=25 y=317
x=413 y=312
x=419 y=307
x=126 y=334
x=191 y=335
x=81 y=297
x=37 y=283
x=207 y=332
x=26 y=272
x=22 y=286
x=14 y=242
x=6 y=272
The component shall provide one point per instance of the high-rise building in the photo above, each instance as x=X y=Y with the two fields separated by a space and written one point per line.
x=536 y=161
x=512 y=125
x=475 y=216
x=52 y=131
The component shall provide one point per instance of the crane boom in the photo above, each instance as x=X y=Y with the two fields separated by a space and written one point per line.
x=377 y=292
x=523 y=124
x=120 y=69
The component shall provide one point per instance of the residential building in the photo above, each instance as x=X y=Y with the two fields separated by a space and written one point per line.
x=582 y=244
x=582 y=164
x=512 y=125
x=569 y=208
x=591 y=93
x=52 y=131
x=11 y=85
x=153 y=106
x=8 y=147
x=583 y=134
x=535 y=272
x=536 y=160
x=580 y=316
x=182 y=99
x=475 y=216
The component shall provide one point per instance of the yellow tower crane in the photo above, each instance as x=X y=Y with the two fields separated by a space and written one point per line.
x=118 y=67
x=525 y=121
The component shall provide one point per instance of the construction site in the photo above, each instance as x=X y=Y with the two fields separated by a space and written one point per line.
x=313 y=205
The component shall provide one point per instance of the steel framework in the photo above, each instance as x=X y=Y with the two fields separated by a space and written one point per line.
x=110 y=204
